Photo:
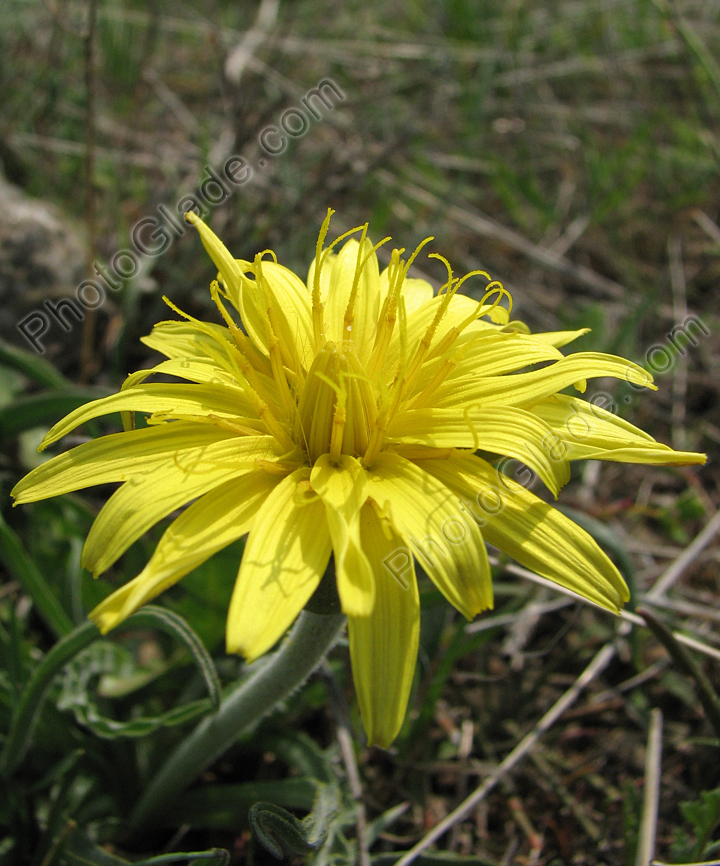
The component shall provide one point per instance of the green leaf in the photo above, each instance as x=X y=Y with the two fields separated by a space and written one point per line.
x=86 y=712
x=22 y=567
x=80 y=851
x=302 y=753
x=279 y=831
x=226 y=807
x=43 y=409
x=384 y=822
x=33 y=695
x=704 y=816
x=176 y=626
x=32 y=365
x=212 y=854
x=106 y=658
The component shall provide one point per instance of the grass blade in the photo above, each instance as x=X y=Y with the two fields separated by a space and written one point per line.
x=22 y=567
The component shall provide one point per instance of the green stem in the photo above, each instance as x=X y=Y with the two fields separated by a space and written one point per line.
x=272 y=682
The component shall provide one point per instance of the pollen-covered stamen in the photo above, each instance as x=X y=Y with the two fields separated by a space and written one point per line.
x=495 y=287
x=444 y=346
x=256 y=391
x=242 y=344
x=337 y=405
x=203 y=327
x=359 y=267
x=339 y=420
x=424 y=346
x=423 y=398
x=288 y=348
x=274 y=346
x=317 y=305
x=391 y=399
x=320 y=257
x=388 y=315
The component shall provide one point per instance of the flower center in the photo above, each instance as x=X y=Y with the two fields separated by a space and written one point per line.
x=337 y=408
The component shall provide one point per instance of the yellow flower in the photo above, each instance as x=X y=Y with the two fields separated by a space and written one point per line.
x=357 y=415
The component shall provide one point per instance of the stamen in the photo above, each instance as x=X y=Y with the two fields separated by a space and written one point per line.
x=338 y=424
x=256 y=390
x=236 y=356
x=350 y=310
x=440 y=376
x=274 y=345
x=416 y=253
x=392 y=399
x=497 y=289
x=424 y=346
x=388 y=314
x=320 y=257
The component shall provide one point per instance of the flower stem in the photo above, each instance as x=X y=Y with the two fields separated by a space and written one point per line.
x=273 y=681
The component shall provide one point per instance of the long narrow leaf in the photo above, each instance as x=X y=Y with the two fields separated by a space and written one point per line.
x=80 y=851
x=66 y=649
x=38 y=369
x=33 y=695
x=22 y=567
x=174 y=625
x=41 y=409
x=225 y=807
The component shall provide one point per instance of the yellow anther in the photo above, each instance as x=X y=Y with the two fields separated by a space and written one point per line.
x=421 y=400
x=320 y=257
x=350 y=310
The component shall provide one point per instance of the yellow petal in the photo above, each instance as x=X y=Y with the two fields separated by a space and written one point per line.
x=511 y=432
x=170 y=399
x=288 y=298
x=204 y=370
x=488 y=353
x=444 y=540
x=587 y=431
x=214 y=521
x=416 y=293
x=384 y=645
x=285 y=557
x=290 y=305
x=560 y=338
x=524 y=389
x=367 y=301
x=117 y=457
x=186 y=340
x=229 y=270
x=532 y=532
x=343 y=490
x=144 y=500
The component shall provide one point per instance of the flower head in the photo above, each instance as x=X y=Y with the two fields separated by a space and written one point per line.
x=359 y=414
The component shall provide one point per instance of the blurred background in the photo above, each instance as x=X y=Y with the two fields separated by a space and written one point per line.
x=571 y=149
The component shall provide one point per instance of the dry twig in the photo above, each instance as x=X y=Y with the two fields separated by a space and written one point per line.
x=651 y=794
x=596 y=666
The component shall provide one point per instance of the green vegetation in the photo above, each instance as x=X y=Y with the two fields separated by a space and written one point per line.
x=569 y=148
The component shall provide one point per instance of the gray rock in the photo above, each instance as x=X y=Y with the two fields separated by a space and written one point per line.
x=41 y=257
